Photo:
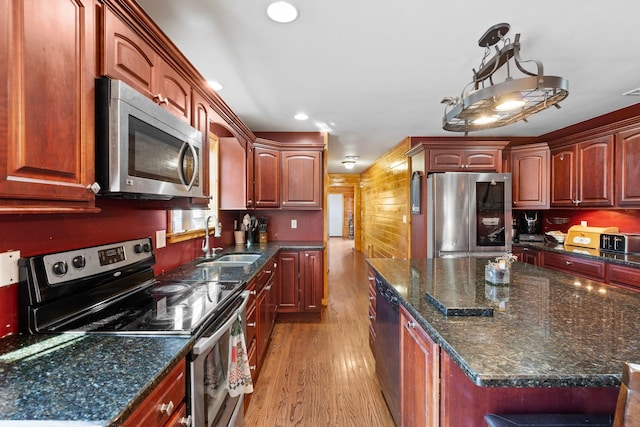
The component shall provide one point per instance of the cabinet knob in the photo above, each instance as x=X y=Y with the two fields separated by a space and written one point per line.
x=371 y=298
x=253 y=292
x=167 y=408
x=307 y=255
x=185 y=421
x=252 y=367
x=94 y=188
x=411 y=324
x=371 y=317
x=268 y=271
x=568 y=262
x=251 y=325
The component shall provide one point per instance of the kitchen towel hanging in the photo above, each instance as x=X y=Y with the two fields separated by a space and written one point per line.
x=239 y=375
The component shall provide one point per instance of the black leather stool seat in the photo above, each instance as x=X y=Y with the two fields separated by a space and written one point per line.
x=549 y=420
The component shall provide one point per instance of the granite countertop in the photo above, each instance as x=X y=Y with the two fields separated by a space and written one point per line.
x=548 y=329
x=98 y=380
x=90 y=379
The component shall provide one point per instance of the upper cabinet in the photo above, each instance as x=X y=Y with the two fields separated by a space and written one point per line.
x=301 y=179
x=266 y=175
x=47 y=63
x=128 y=57
x=627 y=148
x=465 y=160
x=530 y=174
x=582 y=174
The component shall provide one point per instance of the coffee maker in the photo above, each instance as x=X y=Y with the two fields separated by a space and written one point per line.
x=530 y=226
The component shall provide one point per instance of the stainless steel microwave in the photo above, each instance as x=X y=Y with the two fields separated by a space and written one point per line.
x=142 y=150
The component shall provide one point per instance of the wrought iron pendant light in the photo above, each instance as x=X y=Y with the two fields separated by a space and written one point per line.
x=488 y=105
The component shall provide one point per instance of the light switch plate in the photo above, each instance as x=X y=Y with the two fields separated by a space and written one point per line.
x=9 y=267
x=161 y=239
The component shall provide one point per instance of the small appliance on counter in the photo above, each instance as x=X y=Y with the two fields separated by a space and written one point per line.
x=620 y=243
x=581 y=238
x=530 y=227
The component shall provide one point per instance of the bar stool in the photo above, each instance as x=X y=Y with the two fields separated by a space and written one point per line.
x=627 y=412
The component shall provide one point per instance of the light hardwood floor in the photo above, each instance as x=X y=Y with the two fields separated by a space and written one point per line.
x=323 y=373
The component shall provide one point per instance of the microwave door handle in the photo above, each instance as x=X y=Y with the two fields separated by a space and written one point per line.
x=183 y=153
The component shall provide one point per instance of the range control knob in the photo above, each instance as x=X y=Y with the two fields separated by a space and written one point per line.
x=140 y=248
x=79 y=261
x=60 y=268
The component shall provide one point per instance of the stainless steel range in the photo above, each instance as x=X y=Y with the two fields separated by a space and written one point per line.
x=111 y=289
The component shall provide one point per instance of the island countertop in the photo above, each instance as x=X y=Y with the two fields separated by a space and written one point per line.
x=548 y=329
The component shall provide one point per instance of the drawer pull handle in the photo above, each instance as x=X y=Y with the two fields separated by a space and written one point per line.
x=185 y=421
x=371 y=317
x=371 y=298
x=252 y=367
x=411 y=324
x=253 y=292
x=568 y=262
x=268 y=271
x=251 y=325
x=167 y=407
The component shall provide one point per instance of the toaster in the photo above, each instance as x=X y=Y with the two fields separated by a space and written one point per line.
x=621 y=243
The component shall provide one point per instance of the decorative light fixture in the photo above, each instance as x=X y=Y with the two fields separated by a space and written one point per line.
x=349 y=161
x=485 y=105
x=282 y=12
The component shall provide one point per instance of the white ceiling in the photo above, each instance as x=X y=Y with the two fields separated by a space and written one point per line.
x=376 y=70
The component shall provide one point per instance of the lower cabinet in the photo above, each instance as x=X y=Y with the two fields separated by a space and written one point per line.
x=626 y=277
x=419 y=375
x=165 y=406
x=528 y=255
x=590 y=269
x=301 y=283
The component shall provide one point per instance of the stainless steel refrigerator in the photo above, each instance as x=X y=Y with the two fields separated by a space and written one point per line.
x=468 y=214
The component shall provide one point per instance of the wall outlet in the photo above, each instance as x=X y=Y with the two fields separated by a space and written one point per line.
x=294 y=223
x=9 y=267
x=404 y=219
x=161 y=239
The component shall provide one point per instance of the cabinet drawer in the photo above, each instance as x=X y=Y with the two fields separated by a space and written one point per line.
x=161 y=404
x=179 y=418
x=580 y=267
x=623 y=276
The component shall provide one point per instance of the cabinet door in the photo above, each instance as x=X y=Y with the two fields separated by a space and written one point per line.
x=595 y=172
x=289 y=293
x=311 y=282
x=266 y=177
x=233 y=175
x=563 y=177
x=476 y=160
x=445 y=160
x=202 y=113
x=530 y=174
x=620 y=275
x=47 y=64
x=250 y=176
x=627 y=171
x=174 y=91
x=301 y=179
x=531 y=256
x=419 y=375
x=127 y=56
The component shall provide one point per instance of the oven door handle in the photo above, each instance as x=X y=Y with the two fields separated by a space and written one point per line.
x=205 y=344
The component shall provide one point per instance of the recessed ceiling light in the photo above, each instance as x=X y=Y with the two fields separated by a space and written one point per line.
x=301 y=116
x=215 y=85
x=282 y=12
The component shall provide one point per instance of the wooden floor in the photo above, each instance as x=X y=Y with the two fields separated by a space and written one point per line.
x=323 y=373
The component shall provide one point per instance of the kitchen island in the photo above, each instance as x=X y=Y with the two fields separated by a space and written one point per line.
x=554 y=342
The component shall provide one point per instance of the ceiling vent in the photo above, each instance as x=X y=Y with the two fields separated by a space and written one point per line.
x=484 y=104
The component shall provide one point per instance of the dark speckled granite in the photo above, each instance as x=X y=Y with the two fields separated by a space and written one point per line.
x=96 y=379
x=549 y=329
x=630 y=260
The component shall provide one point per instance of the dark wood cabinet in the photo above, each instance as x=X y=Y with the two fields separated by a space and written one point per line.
x=582 y=174
x=588 y=268
x=419 y=374
x=130 y=58
x=266 y=178
x=233 y=176
x=627 y=152
x=530 y=175
x=301 y=179
x=301 y=283
x=623 y=276
x=166 y=405
x=47 y=65
x=528 y=255
x=465 y=160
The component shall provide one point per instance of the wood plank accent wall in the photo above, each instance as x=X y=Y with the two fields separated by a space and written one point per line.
x=348 y=184
x=385 y=200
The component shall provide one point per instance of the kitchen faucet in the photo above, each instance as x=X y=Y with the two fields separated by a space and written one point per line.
x=206 y=248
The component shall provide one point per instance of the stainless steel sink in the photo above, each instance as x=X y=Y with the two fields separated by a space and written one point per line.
x=232 y=259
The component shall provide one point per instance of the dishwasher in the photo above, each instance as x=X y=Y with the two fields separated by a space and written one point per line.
x=387 y=349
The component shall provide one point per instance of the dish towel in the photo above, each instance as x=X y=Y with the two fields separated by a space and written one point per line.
x=239 y=375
